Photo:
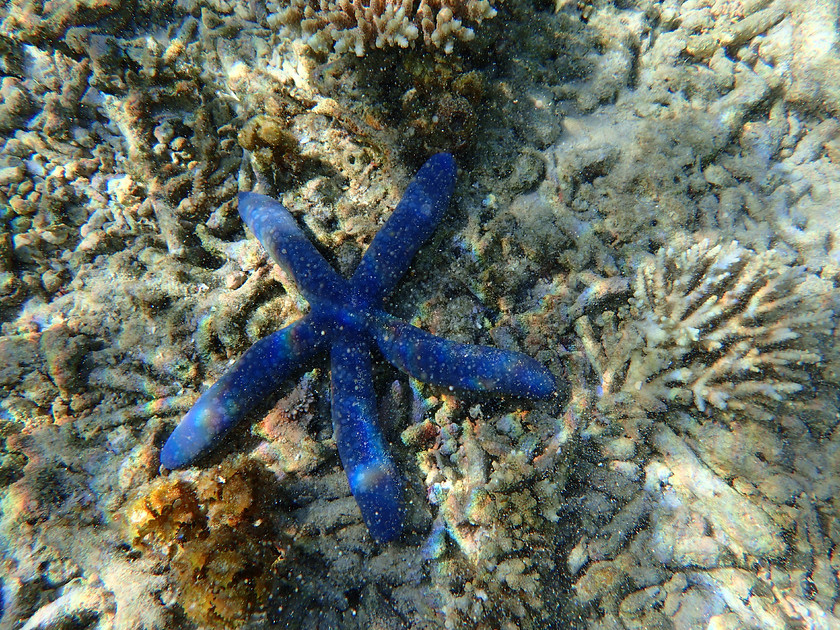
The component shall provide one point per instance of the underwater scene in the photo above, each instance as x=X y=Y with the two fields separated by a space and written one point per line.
x=419 y=314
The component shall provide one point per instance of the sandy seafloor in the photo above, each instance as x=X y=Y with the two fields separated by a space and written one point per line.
x=647 y=203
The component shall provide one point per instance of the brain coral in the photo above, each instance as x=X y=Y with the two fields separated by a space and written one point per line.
x=358 y=25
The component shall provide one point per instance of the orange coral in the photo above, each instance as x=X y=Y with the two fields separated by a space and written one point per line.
x=210 y=528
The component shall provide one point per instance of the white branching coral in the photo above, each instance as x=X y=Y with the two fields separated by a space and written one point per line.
x=714 y=326
x=359 y=25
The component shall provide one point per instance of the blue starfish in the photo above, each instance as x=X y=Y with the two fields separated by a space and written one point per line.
x=347 y=317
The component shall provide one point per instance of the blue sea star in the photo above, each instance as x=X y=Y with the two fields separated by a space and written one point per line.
x=346 y=317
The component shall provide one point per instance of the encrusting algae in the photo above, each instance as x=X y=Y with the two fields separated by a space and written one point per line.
x=210 y=530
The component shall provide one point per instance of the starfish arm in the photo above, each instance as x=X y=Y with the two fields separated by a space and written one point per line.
x=463 y=366
x=371 y=471
x=415 y=218
x=248 y=382
x=279 y=233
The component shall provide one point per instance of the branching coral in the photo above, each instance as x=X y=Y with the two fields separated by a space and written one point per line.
x=716 y=326
x=496 y=483
x=716 y=340
x=356 y=25
x=37 y=21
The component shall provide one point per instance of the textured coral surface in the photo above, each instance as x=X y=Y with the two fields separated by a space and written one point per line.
x=356 y=26
x=646 y=203
x=716 y=326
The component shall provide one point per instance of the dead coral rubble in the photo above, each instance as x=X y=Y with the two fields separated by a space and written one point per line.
x=344 y=25
x=717 y=326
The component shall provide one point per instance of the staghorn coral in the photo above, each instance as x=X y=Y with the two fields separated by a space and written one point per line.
x=717 y=326
x=345 y=25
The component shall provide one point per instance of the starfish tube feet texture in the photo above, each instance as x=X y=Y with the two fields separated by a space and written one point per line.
x=347 y=317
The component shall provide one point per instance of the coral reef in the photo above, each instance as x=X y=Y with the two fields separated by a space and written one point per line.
x=708 y=408
x=348 y=317
x=496 y=484
x=441 y=108
x=595 y=135
x=61 y=560
x=357 y=27
x=76 y=187
x=288 y=446
x=35 y=22
x=272 y=147
x=666 y=539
